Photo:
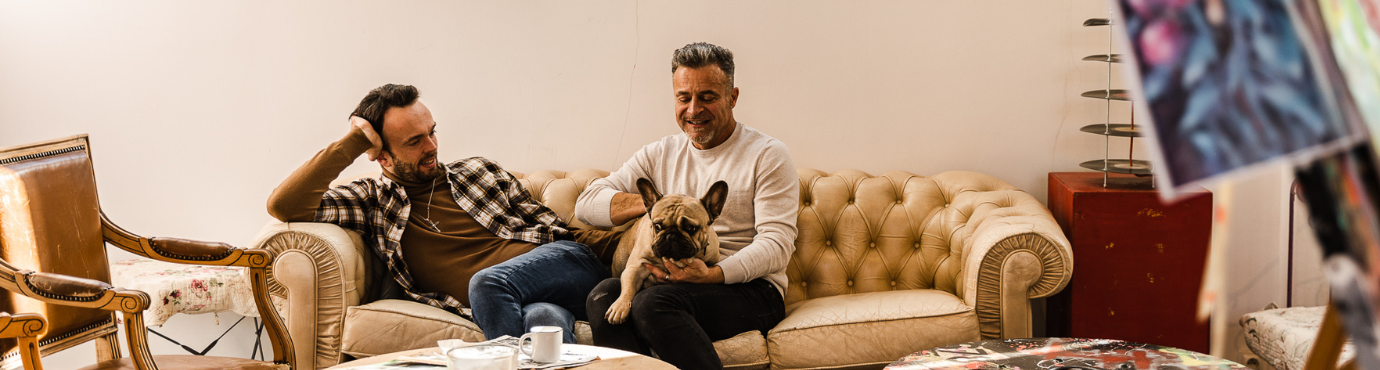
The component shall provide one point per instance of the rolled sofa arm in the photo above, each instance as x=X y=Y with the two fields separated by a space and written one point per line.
x=1016 y=254
x=318 y=272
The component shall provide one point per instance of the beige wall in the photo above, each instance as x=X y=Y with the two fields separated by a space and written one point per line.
x=198 y=109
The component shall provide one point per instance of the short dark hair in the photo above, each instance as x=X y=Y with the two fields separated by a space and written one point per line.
x=380 y=99
x=701 y=54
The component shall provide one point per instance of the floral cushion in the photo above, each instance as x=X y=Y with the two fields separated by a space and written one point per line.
x=1283 y=336
x=191 y=289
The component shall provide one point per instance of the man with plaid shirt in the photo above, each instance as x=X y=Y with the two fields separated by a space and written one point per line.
x=464 y=236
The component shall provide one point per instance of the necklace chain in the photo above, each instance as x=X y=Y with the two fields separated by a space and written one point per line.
x=427 y=218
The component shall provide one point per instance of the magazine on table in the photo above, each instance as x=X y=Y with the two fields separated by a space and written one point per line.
x=569 y=357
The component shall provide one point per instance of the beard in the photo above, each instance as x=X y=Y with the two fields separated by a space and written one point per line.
x=704 y=139
x=412 y=172
x=705 y=135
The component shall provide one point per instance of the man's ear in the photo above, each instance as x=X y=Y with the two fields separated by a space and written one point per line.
x=649 y=194
x=733 y=98
x=713 y=201
x=385 y=159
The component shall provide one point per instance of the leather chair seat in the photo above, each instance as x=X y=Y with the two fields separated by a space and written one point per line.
x=189 y=362
x=856 y=328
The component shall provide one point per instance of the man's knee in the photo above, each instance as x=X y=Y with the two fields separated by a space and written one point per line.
x=604 y=293
x=542 y=313
x=572 y=248
x=658 y=298
x=488 y=278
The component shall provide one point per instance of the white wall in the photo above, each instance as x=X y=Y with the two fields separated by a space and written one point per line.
x=198 y=109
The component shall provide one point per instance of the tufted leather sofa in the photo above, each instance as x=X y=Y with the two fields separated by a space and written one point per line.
x=884 y=266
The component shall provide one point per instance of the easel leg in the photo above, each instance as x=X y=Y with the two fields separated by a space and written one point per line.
x=1327 y=348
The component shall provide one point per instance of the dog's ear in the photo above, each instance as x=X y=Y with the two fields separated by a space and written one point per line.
x=649 y=194
x=713 y=201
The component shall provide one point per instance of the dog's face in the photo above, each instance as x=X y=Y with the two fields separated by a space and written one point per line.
x=680 y=224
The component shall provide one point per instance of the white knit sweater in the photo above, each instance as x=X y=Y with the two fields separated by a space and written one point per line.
x=757 y=227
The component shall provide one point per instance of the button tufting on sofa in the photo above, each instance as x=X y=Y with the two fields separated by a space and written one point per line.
x=947 y=289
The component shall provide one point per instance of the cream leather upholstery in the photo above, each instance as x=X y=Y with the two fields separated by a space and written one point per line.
x=884 y=266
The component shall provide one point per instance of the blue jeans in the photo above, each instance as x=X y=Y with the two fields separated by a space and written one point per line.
x=544 y=287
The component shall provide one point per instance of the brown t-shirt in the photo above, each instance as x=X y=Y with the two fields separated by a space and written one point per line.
x=445 y=260
x=441 y=261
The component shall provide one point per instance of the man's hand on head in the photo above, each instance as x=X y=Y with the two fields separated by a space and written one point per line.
x=694 y=272
x=368 y=129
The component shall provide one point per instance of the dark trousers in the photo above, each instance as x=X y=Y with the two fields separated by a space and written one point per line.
x=681 y=321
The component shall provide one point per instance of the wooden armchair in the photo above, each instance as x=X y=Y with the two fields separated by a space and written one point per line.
x=24 y=327
x=53 y=261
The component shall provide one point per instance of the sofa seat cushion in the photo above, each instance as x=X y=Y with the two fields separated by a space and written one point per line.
x=869 y=328
x=417 y=325
x=745 y=351
x=1283 y=336
x=392 y=325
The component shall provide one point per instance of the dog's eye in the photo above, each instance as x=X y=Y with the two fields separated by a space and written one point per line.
x=691 y=228
x=657 y=227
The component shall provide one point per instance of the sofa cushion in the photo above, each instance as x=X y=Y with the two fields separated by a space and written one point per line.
x=1282 y=337
x=868 y=328
x=393 y=325
x=746 y=351
x=364 y=323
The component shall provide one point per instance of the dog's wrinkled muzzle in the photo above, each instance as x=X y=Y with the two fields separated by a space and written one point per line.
x=675 y=246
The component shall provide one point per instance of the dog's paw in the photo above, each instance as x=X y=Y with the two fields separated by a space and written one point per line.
x=618 y=312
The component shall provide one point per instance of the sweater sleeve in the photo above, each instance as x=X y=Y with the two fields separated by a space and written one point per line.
x=776 y=204
x=592 y=207
x=300 y=195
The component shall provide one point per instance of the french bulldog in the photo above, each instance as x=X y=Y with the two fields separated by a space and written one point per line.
x=676 y=228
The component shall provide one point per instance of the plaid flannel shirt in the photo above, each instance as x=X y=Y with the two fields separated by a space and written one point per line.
x=378 y=209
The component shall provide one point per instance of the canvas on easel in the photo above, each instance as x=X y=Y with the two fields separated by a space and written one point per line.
x=1237 y=85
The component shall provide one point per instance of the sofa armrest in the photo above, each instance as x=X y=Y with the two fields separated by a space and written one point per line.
x=1014 y=256
x=319 y=271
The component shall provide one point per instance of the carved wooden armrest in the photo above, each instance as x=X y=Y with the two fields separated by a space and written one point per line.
x=22 y=325
x=182 y=250
x=60 y=286
x=71 y=291
x=25 y=329
x=191 y=250
x=79 y=292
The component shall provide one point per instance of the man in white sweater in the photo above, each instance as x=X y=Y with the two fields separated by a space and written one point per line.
x=745 y=291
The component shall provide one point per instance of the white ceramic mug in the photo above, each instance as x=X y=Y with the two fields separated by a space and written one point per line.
x=546 y=344
x=482 y=357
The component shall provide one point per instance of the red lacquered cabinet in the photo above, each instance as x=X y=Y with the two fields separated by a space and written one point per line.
x=1138 y=263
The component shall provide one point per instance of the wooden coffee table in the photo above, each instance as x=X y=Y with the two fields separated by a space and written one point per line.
x=609 y=359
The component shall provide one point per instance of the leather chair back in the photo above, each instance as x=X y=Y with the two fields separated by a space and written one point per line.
x=50 y=221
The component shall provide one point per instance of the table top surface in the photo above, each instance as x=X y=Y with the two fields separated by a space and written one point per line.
x=1048 y=353
x=609 y=359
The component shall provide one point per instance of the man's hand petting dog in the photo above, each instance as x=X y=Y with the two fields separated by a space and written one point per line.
x=694 y=272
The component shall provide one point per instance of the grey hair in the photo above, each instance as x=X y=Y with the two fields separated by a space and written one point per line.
x=701 y=54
